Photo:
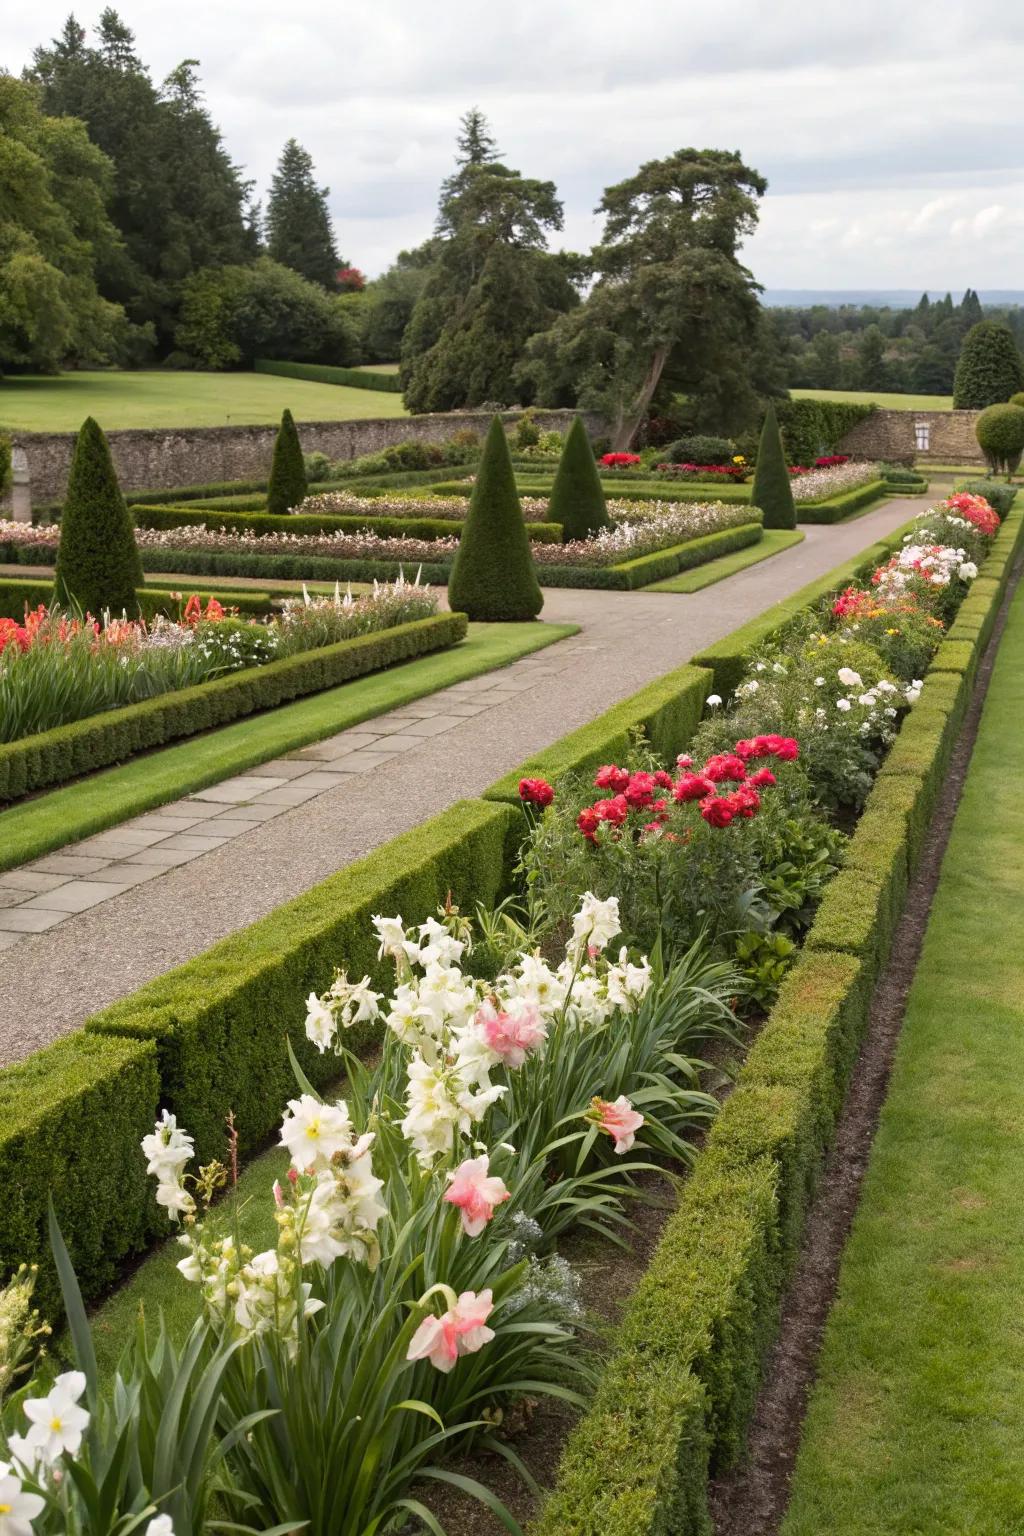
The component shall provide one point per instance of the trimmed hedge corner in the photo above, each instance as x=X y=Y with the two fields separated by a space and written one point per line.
x=836 y=508
x=219 y=1022
x=54 y=757
x=71 y=1119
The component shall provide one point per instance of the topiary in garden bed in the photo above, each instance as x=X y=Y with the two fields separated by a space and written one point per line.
x=772 y=491
x=577 y=496
x=1000 y=434
x=493 y=578
x=98 y=564
x=287 y=487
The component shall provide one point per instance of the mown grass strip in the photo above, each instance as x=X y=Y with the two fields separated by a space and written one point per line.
x=773 y=542
x=915 y=1423
x=66 y=815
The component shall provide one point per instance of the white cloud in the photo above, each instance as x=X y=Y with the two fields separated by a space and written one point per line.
x=892 y=136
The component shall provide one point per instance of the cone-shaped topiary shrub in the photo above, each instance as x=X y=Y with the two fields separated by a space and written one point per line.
x=493 y=577
x=772 y=491
x=288 y=485
x=98 y=565
x=577 y=496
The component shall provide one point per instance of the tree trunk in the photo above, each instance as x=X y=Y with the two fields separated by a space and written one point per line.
x=627 y=426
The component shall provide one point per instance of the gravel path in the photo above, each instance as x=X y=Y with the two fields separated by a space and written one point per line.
x=51 y=981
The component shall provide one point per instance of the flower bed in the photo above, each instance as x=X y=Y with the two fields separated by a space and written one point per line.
x=831 y=480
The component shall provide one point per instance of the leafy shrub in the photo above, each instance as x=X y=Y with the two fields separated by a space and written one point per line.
x=98 y=566
x=317 y=466
x=287 y=486
x=895 y=475
x=772 y=491
x=1000 y=434
x=1018 y=398
x=493 y=577
x=698 y=450
x=990 y=368
x=813 y=427
x=527 y=433
x=321 y=373
x=230 y=316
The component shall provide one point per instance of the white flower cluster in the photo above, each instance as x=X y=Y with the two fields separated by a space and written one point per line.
x=935 y=564
x=167 y=1150
x=819 y=484
x=643 y=527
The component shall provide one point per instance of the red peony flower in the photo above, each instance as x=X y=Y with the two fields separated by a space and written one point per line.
x=663 y=779
x=610 y=777
x=588 y=822
x=693 y=786
x=725 y=765
x=762 y=778
x=717 y=810
x=536 y=791
x=745 y=801
x=613 y=811
x=640 y=790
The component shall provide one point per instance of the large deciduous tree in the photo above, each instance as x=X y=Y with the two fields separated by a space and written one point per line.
x=53 y=230
x=493 y=282
x=672 y=305
x=298 y=221
x=230 y=316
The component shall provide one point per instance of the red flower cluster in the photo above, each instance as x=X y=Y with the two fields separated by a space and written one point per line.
x=536 y=792
x=976 y=510
x=13 y=634
x=639 y=791
x=620 y=460
x=849 y=603
x=194 y=610
x=831 y=460
x=727 y=471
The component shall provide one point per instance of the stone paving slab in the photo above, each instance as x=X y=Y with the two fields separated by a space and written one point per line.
x=265 y=836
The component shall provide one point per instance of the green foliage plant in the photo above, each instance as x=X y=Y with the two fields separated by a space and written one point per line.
x=772 y=490
x=288 y=485
x=98 y=565
x=990 y=368
x=577 y=495
x=493 y=577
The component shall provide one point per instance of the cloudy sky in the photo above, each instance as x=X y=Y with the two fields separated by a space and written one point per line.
x=891 y=134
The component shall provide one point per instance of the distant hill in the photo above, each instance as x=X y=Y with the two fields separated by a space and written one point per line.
x=894 y=298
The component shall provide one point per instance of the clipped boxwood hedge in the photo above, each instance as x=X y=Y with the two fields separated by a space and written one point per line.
x=71 y=1119
x=663 y=563
x=54 y=757
x=321 y=373
x=836 y=508
x=301 y=523
x=219 y=1022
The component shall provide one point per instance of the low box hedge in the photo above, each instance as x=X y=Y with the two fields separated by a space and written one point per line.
x=54 y=757
x=321 y=373
x=302 y=523
x=71 y=1119
x=219 y=1022
x=836 y=508
x=663 y=563
x=666 y=712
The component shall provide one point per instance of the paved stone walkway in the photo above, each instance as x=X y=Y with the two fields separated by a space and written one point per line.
x=86 y=925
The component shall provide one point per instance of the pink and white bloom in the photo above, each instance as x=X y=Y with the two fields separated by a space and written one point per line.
x=476 y=1192
x=58 y=1422
x=512 y=1031
x=461 y=1331
x=618 y=1118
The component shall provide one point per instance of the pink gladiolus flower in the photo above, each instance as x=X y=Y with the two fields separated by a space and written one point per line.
x=512 y=1034
x=461 y=1331
x=619 y=1119
x=476 y=1193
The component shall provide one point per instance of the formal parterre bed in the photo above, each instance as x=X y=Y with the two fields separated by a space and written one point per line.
x=536 y=1061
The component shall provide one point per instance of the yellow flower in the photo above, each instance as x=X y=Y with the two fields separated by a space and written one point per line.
x=892 y=631
x=738 y=458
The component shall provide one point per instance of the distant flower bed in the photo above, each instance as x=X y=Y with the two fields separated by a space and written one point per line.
x=738 y=471
x=642 y=528
x=57 y=667
x=831 y=480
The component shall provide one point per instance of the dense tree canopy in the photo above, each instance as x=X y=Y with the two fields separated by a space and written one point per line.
x=176 y=198
x=492 y=282
x=298 y=222
x=53 y=231
x=990 y=368
x=232 y=315
x=672 y=307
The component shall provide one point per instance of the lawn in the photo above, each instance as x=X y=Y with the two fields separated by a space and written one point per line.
x=178 y=399
x=915 y=1424
x=886 y=401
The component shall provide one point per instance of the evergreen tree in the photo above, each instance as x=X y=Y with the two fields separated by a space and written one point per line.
x=872 y=366
x=288 y=484
x=990 y=368
x=1000 y=434
x=971 y=312
x=98 y=564
x=299 y=233
x=577 y=496
x=772 y=491
x=493 y=577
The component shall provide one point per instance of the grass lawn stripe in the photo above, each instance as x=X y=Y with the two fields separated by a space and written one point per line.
x=916 y=1424
x=772 y=542
x=38 y=826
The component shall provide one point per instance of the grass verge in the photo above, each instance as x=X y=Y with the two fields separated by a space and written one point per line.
x=66 y=815
x=773 y=542
x=914 y=1425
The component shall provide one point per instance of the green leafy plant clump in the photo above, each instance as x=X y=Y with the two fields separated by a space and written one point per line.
x=772 y=491
x=577 y=495
x=98 y=565
x=493 y=577
x=288 y=485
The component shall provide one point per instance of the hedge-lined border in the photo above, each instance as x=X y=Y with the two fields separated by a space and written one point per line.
x=68 y=751
x=320 y=373
x=836 y=508
x=641 y=571
x=675 y=1399
x=300 y=523
x=16 y=595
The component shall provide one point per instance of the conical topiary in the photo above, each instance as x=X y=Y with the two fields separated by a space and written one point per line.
x=98 y=565
x=288 y=484
x=577 y=496
x=493 y=577
x=772 y=491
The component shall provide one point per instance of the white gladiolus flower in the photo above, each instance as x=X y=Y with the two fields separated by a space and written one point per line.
x=596 y=922
x=160 y=1525
x=538 y=983
x=314 y=1132
x=175 y=1199
x=17 y=1508
x=393 y=942
x=320 y=1025
x=913 y=693
x=167 y=1149
x=58 y=1423
x=437 y=945
x=626 y=983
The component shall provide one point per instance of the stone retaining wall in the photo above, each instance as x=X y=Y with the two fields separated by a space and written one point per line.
x=163 y=457
x=893 y=436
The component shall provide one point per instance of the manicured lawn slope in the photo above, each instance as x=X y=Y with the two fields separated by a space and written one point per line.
x=917 y=1422
x=35 y=827
x=168 y=399
x=888 y=402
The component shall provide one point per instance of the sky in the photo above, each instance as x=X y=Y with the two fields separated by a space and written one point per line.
x=891 y=134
